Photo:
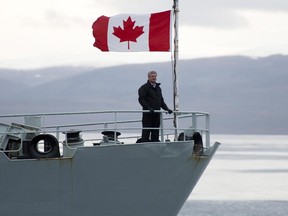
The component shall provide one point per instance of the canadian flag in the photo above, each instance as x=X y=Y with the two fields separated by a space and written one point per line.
x=133 y=33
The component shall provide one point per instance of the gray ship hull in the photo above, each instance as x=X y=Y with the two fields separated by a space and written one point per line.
x=151 y=179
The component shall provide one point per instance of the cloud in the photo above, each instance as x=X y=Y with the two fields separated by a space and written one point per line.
x=214 y=19
x=55 y=18
x=227 y=13
x=205 y=13
x=59 y=19
x=130 y=6
x=259 y=5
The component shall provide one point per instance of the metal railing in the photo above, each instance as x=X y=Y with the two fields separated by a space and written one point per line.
x=128 y=122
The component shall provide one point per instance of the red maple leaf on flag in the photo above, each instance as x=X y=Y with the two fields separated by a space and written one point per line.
x=129 y=33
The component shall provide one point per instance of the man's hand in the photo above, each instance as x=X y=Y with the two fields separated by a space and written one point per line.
x=151 y=110
x=169 y=111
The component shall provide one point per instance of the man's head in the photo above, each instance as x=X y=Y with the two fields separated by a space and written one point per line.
x=152 y=76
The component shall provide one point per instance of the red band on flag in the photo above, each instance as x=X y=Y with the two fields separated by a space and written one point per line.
x=159 y=34
x=100 y=28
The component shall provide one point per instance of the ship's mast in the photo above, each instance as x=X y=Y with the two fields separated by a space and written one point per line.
x=175 y=63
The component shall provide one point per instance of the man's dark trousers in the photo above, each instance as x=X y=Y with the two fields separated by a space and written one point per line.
x=150 y=120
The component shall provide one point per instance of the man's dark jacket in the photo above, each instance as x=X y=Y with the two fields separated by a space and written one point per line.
x=151 y=97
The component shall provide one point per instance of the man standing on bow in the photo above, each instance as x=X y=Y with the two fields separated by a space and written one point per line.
x=150 y=98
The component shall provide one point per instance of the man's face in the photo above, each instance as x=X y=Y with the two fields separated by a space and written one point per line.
x=152 y=78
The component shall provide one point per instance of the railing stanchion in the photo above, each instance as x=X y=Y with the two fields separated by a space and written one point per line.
x=162 y=126
x=194 y=122
x=115 y=127
x=207 y=131
x=57 y=133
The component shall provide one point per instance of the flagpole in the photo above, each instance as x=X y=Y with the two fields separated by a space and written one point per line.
x=175 y=64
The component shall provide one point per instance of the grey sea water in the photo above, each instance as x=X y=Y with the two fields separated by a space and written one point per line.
x=235 y=208
x=248 y=176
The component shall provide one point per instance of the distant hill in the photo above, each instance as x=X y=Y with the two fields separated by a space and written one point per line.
x=243 y=95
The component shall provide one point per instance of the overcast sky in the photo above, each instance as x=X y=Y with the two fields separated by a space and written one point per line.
x=42 y=33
